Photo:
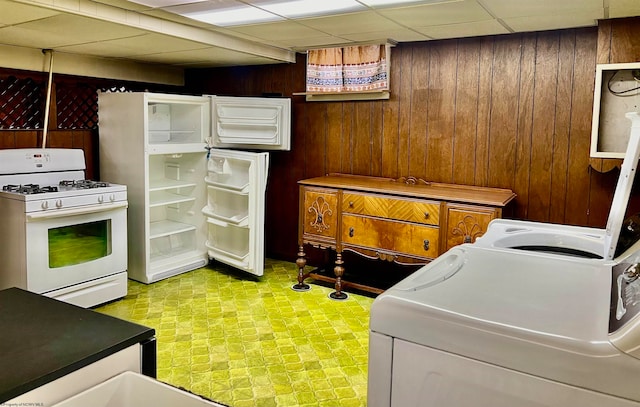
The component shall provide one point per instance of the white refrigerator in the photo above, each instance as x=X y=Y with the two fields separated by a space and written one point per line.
x=195 y=174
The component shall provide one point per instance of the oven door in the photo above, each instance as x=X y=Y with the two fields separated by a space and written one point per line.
x=76 y=245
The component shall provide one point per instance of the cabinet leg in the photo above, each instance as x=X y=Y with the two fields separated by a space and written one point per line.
x=339 y=271
x=301 y=261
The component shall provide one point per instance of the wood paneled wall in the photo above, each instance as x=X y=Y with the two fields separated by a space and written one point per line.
x=510 y=111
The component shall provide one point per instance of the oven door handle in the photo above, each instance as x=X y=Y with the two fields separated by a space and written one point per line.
x=37 y=216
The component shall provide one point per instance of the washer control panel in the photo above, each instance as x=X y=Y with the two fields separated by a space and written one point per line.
x=625 y=294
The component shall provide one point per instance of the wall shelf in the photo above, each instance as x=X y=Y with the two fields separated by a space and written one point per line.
x=615 y=95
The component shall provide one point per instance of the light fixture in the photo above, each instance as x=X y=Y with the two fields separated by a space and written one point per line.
x=233 y=16
x=385 y=3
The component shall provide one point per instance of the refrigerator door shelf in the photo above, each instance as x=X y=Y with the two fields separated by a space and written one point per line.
x=241 y=219
x=239 y=185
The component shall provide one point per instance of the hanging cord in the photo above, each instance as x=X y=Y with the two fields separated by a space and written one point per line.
x=48 y=101
x=621 y=92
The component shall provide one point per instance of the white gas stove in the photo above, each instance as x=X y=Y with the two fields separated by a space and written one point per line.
x=66 y=236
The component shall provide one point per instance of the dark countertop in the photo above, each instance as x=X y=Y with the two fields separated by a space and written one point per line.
x=42 y=339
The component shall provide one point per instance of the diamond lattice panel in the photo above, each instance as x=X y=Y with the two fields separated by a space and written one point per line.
x=76 y=106
x=21 y=102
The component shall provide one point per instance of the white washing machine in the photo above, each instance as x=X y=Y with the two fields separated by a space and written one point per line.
x=532 y=314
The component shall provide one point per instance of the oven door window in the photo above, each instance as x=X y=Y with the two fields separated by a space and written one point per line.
x=79 y=243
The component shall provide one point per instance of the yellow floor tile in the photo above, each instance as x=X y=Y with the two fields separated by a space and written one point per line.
x=247 y=341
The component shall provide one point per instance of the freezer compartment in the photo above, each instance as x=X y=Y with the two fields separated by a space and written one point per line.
x=131 y=389
x=228 y=172
x=228 y=205
x=176 y=123
x=263 y=123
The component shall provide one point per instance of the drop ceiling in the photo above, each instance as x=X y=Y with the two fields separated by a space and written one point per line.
x=129 y=31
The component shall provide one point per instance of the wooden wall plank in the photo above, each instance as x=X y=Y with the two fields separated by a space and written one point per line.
x=418 y=135
x=391 y=118
x=560 y=153
x=487 y=47
x=346 y=152
x=377 y=120
x=577 y=205
x=404 y=63
x=525 y=125
x=441 y=111
x=335 y=144
x=504 y=102
x=466 y=111
x=546 y=80
x=361 y=130
x=315 y=141
x=625 y=46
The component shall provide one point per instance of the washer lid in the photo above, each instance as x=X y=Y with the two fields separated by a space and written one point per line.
x=623 y=190
x=541 y=299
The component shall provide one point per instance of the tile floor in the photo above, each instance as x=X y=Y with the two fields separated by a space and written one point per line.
x=246 y=341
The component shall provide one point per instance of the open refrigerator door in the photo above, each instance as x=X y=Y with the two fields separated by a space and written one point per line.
x=236 y=185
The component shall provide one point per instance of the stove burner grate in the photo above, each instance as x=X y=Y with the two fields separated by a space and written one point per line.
x=83 y=184
x=28 y=189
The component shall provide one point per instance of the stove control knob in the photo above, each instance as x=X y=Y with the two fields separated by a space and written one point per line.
x=59 y=203
x=112 y=198
x=44 y=205
x=100 y=199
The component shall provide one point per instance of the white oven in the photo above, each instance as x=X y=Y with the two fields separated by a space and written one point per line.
x=64 y=237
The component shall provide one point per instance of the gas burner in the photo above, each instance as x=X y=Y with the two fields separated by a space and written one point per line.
x=28 y=189
x=83 y=184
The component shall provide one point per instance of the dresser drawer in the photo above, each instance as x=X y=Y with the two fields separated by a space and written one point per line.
x=389 y=235
x=419 y=211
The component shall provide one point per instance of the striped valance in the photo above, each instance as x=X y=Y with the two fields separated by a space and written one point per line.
x=348 y=69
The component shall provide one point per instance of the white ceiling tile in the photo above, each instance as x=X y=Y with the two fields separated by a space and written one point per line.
x=403 y=35
x=530 y=8
x=624 y=8
x=303 y=44
x=352 y=23
x=552 y=22
x=434 y=14
x=473 y=29
x=277 y=31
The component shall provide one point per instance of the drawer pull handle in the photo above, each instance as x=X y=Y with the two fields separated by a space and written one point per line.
x=351 y=232
x=350 y=204
x=426 y=215
x=425 y=244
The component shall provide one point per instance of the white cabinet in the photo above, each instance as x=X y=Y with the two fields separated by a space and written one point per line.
x=154 y=143
x=191 y=197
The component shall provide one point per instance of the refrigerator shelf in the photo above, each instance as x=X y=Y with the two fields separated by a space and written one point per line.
x=240 y=220
x=217 y=253
x=163 y=184
x=177 y=148
x=161 y=198
x=167 y=227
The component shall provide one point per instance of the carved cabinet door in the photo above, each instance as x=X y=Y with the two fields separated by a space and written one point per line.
x=319 y=214
x=465 y=223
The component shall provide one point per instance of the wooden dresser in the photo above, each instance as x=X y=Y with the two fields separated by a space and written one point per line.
x=407 y=221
